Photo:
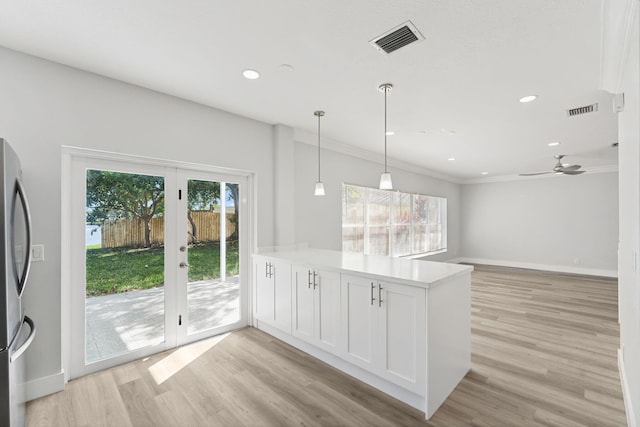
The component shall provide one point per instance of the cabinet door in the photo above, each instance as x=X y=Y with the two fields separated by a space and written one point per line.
x=327 y=309
x=282 y=295
x=358 y=320
x=303 y=303
x=264 y=283
x=402 y=335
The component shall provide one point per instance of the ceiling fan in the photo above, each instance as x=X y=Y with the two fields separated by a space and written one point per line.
x=559 y=168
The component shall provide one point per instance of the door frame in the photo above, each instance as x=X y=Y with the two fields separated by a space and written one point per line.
x=71 y=156
x=183 y=176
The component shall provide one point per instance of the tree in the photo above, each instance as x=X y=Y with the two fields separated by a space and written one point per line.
x=125 y=195
x=201 y=195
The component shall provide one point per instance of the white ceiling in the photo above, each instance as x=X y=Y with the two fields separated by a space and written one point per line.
x=477 y=59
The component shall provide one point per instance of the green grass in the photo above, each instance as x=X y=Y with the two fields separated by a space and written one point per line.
x=125 y=269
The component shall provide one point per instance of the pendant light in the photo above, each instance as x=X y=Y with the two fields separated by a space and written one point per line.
x=385 y=178
x=319 y=185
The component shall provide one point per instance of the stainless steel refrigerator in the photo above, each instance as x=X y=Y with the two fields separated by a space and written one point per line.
x=17 y=331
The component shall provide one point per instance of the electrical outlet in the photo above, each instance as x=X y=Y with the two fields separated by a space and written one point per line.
x=37 y=253
x=576 y=261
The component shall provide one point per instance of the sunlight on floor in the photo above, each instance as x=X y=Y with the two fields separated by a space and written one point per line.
x=173 y=363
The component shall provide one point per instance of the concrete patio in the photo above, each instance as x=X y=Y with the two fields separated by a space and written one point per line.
x=127 y=321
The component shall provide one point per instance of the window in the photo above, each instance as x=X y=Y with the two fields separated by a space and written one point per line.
x=392 y=223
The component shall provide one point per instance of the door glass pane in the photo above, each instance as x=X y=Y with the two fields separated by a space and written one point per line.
x=124 y=280
x=213 y=289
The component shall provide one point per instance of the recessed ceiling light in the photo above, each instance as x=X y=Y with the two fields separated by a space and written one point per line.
x=528 y=98
x=553 y=144
x=251 y=74
x=451 y=159
x=484 y=173
x=390 y=132
x=449 y=131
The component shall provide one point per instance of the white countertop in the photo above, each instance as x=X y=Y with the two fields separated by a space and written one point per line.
x=410 y=271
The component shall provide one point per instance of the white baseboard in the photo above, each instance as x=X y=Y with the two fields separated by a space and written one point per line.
x=543 y=267
x=628 y=405
x=45 y=386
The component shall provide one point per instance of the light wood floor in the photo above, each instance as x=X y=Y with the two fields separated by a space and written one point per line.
x=544 y=353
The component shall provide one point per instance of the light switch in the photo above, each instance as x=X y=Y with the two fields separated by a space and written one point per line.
x=37 y=253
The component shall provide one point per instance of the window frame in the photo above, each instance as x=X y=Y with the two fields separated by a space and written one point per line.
x=392 y=225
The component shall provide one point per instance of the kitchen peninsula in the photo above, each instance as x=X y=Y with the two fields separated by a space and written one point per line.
x=400 y=325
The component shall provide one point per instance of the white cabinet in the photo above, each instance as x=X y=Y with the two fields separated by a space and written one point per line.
x=385 y=329
x=264 y=284
x=402 y=326
x=402 y=332
x=358 y=320
x=273 y=292
x=316 y=306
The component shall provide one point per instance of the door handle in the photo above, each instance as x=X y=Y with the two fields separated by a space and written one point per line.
x=379 y=295
x=22 y=278
x=25 y=345
x=184 y=265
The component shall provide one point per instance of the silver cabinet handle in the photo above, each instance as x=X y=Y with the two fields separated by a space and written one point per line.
x=372 y=288
x=379 y=295
x=184 y=265
x=268 y=270
x=309 y=279
x=315 y=283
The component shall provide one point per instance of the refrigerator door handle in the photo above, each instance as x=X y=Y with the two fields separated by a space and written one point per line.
x=25 y=345
x=22 y=280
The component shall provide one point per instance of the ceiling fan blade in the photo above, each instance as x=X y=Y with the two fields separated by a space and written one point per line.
x=535 y=173
x=566 y=172
x=571 y=168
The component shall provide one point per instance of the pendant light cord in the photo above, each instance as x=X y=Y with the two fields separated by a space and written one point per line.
x=385 y=129
x=319 y=148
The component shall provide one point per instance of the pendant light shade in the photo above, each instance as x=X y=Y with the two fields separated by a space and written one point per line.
x=385 y=181
x=319 y=191
x=385 y=178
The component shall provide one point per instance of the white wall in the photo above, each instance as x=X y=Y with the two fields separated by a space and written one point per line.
x=319 y=219
x=544 y=223
x=629 y=280
x=46 y=105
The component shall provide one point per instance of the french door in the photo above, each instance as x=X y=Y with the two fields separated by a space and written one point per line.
x=159 y=258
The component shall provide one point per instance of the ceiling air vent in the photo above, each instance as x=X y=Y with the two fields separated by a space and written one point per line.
x=582 y=110
x=397 y=37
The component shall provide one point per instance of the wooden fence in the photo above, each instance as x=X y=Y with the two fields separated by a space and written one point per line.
x=130 y=232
